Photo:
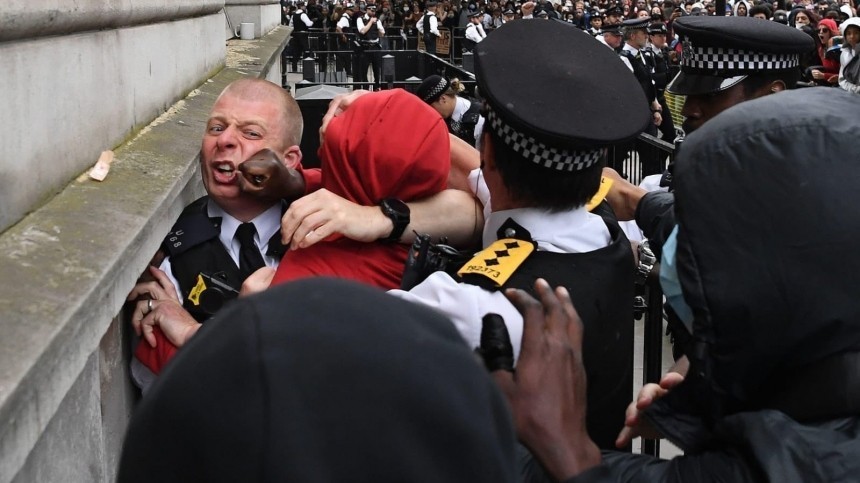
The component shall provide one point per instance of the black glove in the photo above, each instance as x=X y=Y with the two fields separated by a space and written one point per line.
x=496 y=350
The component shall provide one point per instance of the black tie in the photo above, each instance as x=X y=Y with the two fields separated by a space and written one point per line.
x=250 y=259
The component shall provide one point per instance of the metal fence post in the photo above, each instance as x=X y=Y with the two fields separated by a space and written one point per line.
x=388 y=69
x=308 y=69
x=468 y=62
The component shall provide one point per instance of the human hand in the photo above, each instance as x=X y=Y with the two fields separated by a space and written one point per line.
x=658 y=118
x=634 y=425
x=159 y=288
x=265 y=176
x=257 y=281
x=528 y=8
x=548 y=393
x=817 y=75
x=340 y=103
x=173 y=320
x=324 y=215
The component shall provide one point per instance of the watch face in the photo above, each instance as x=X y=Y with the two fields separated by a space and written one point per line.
x=397 y=206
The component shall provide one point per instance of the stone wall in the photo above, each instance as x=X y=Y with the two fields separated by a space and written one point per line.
x=80 y=79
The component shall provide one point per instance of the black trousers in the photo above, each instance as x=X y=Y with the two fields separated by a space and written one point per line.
x=370 y=57
x=430 y=44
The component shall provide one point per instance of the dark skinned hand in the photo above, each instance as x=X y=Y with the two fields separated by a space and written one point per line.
x=265 y=176
x=548 y=392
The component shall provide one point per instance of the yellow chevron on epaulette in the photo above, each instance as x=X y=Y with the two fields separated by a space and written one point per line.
x=498 y=261
x=605 y=184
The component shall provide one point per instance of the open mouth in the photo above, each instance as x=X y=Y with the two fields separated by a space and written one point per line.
x=224 y=172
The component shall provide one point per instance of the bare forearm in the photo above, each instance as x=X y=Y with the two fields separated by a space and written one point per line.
x=451 y=213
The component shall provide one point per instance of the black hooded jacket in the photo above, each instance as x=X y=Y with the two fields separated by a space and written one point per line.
x=768 y=262
x=322 y=380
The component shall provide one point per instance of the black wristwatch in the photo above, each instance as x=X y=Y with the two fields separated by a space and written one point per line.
x=647 y=260
x=398 y=212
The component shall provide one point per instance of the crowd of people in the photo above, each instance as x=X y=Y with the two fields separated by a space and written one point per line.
x=827 y=22
x=256 y=365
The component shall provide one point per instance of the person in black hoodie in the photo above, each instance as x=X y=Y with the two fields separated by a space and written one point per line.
x=322 y=380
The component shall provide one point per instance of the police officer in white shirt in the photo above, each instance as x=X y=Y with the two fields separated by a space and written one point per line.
x=474 y=31
x=428 y=27
x=370 y=30
x=543 y=149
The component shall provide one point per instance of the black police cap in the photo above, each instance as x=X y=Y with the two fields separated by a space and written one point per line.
x=720 y=52
x=635 y=23
x=476 y=13
x=614 y=10
x=557 y=107
x=657 y=28
x=613 y=28
x=432 y=88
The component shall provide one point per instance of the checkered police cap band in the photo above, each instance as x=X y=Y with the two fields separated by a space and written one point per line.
x=539 y=153
x=436 y=91
x=717 y=58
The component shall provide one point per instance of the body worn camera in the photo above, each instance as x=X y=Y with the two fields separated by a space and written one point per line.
x=426 y=257
x=211 y=292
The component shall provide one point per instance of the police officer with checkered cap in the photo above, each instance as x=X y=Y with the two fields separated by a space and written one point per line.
x=551 y=114
x=727 y=60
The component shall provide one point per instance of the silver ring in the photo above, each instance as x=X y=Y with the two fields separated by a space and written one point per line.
x=149 y=306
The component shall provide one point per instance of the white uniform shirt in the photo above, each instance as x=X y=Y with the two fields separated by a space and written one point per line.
x=343 y=22
x=362 y=22
x=465 y=305
x=434 y=24
x=461 y=105
x=266 y=223
x=623 y=59
x=475 y=32
x=304 y=18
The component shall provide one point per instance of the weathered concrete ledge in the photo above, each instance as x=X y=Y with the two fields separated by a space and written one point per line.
x=28 y=19
x=264 y=14
x=67 y=267
x=69 y=97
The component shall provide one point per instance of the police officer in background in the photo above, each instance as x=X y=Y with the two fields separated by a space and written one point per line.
x=428 y=27
x=474 y=31
x=462 y=114
x=635 y=40
x=370 y=31
x=300 y=22
x=657 y=54
x=759 y=58
x=346 y=34
x=595 y=22
x=542 y=150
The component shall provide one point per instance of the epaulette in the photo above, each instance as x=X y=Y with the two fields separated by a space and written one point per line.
x=493 y=266
x=602 y=191
x=191 y=229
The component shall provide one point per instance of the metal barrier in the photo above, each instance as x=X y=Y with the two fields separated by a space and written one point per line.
x=646 y=156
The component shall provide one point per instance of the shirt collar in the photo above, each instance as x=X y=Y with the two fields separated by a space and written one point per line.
x=567 y=231
x=631 y=49
x=460 y=107
x=266 y=223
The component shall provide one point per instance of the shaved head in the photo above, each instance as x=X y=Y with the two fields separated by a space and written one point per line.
x=259 y=90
